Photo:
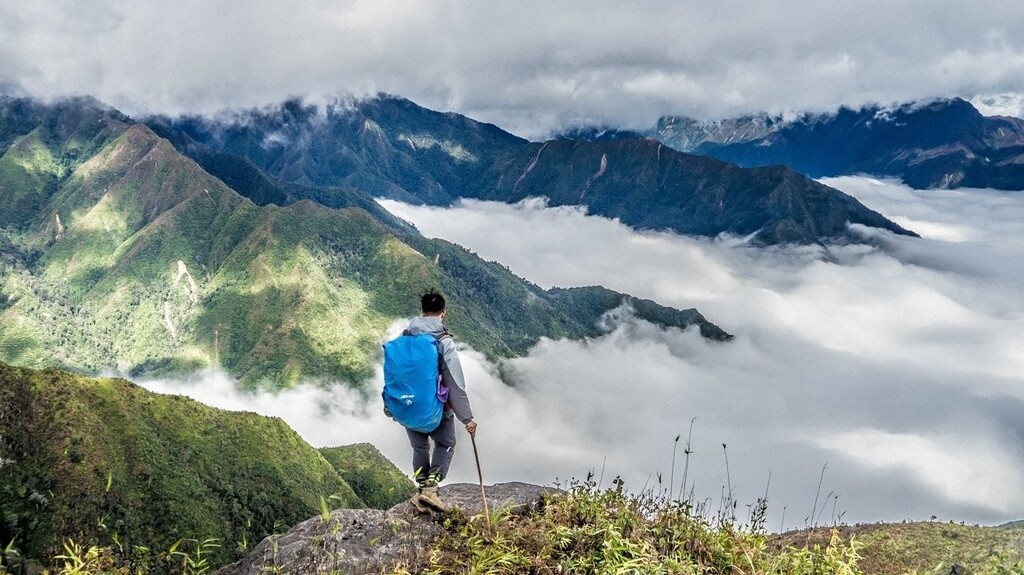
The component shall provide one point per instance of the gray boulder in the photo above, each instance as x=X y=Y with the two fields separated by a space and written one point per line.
x=360 y=541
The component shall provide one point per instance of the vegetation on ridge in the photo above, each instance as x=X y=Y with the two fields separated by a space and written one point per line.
x=374 y=478
x=926 y=547
x=594 y=531
x=103 y=461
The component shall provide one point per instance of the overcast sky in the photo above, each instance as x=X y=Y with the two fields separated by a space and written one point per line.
x=529 y=66
x=899 y=367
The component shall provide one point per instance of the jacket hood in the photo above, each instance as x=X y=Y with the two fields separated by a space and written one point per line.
x=423 y=324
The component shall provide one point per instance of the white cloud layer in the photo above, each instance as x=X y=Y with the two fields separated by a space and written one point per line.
x=528 y=66
x=901 y=367
x=860 y=360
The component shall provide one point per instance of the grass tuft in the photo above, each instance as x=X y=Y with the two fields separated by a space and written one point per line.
x=589 y=530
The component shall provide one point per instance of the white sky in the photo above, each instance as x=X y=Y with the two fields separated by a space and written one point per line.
x=530 y=66
x=901 y=367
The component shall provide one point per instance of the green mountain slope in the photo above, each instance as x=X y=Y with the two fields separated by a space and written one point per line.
x=264 y=292
x=249 y=180
x=43 y=144
x=135 y=259
x=91 y=458
x=377 y=482
x=384 y=146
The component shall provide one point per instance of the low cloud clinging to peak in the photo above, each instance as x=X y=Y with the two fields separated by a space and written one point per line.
x=532 y=67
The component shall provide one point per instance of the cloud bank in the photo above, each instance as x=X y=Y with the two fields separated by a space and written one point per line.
x=531 y=67
x=898 y=365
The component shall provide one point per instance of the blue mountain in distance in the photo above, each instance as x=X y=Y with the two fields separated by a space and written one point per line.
x=942 y=144
x=390 y=147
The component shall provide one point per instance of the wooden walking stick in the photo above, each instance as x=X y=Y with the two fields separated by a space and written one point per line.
x=480 y=474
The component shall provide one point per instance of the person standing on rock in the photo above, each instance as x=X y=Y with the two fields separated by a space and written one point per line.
x=432 y=447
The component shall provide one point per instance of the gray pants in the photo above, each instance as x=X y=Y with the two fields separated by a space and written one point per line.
x=424 y=462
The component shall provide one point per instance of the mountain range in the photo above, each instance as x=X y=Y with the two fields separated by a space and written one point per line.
x=940 y=144
x=390 y=147
x=120 y=253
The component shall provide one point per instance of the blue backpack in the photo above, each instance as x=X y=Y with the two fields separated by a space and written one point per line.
x=413 y=393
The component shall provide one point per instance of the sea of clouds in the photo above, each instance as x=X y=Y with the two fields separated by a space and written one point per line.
x=891 y=372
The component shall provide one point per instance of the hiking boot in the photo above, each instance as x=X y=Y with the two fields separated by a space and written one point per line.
x=428 y=496
x=417 y=502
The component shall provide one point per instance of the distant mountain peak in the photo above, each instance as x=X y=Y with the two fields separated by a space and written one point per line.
x=938 y=143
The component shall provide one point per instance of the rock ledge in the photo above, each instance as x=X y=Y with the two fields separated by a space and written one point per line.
x=375 y=541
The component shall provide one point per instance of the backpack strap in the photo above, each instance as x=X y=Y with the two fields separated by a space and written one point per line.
x=440 y=337
x=440 y=350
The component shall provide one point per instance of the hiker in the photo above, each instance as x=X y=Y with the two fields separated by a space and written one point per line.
x=432 y=450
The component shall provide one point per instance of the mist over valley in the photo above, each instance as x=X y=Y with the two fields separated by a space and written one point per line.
x=896 y=364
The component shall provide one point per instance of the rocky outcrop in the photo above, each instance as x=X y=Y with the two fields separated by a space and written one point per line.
x=375 y=541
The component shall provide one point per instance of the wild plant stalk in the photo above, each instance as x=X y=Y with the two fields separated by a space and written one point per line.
x=759 y=511
x=728 y=480
x=823 y=505
x=814 y=508
x=325 y=510
x=686 y=465
x=672 y=476
x=197 y=563
x=648 y=482
x=7 y=552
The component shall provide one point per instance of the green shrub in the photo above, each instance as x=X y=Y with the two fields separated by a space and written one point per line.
x=590 y=531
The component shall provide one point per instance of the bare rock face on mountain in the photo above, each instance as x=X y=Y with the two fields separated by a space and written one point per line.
x=374 y=541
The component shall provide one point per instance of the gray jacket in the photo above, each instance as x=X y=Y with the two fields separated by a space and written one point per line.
x=451 y=367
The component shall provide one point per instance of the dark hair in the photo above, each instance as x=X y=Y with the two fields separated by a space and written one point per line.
x=432 y=302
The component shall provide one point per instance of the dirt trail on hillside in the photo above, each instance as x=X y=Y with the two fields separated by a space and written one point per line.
x=193 y=289
x=169 y=323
